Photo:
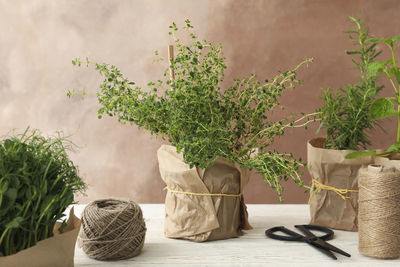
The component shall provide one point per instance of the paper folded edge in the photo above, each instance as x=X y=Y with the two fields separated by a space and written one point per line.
x=32 y=256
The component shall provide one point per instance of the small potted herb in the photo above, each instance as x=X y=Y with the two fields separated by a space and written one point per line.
x=37 y=184
x=216 y=135
x=345 y=117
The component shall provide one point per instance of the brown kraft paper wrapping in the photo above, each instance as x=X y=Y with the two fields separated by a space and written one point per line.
x=196 y=217
x=329 y=167
x=57 y=250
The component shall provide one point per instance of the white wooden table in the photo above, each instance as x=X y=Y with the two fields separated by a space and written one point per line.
x=251 y=249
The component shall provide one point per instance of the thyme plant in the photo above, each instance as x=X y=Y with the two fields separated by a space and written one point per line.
x=37 y=184
x=345 y=114
x=202 y=120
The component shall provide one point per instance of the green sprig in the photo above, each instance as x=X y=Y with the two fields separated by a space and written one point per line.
x=345 y=114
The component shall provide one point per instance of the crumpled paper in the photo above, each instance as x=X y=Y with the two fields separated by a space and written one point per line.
x=202 y=217
x=329 y=167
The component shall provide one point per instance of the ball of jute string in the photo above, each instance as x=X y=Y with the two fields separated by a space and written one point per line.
x=379 y=212
x=112 y=229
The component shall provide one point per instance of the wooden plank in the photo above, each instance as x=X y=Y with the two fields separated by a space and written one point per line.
x=251 y=249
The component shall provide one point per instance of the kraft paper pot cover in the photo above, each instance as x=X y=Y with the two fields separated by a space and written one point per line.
x=330 y=168
x=190 y=211
x=57 y=250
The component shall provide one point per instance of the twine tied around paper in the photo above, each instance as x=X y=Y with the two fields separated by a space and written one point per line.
x=342 y=192
x=201 y=194
x=112 y=229
x=379 y=212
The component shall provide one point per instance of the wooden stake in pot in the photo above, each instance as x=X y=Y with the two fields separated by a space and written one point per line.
x=171 y=57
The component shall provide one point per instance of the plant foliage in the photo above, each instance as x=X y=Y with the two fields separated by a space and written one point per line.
x=345 y=114
x=37 y=184
x=201 y=119
x=385 y=107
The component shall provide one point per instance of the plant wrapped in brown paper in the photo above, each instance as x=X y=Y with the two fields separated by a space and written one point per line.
x=37 y=184
x=200 y=118
x=346 y=118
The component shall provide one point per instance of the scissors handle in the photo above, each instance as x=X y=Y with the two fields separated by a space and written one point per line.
x=305 y=229
x=291 y=236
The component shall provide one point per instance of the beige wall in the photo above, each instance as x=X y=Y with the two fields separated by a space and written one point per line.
x=39 y=39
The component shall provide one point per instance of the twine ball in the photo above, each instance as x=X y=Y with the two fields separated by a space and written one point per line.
x=112 y=229
x=379 y=212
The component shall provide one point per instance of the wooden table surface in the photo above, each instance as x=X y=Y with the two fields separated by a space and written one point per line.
x=251 y=249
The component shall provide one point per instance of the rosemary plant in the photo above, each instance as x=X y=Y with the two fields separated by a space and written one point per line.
x=201 y=119
x=345 y=114
x=385 y=107
x=37 y=183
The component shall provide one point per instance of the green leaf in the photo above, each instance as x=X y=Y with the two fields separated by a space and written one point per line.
x=353 y=52
x=15 y=223
x=382 y=108
x=8 y=143
x=389 y=62
x=374 y=68
x=394 y=147
x=11 y=195
x=3 y=187
x=374 y=40
x=391 y=41
x=359 y=154
x=388 y=41
x=395 y=71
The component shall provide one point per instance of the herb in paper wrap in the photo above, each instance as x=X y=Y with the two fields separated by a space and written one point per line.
x=346 y=119
x=37 y=184
x=202 y=120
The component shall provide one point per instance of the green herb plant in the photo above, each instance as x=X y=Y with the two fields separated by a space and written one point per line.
x=385 y=107
x=199 y=118
x=37 y=184
x=345 y=114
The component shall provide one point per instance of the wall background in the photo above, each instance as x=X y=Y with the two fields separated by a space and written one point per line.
x=39 y=39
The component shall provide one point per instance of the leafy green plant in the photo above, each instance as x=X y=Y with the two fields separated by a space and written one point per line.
x=345 y=114
x=37 y=184
x=385 y=107
x=201 y=119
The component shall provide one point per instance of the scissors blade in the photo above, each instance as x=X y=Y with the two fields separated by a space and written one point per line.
x=333 y=248
x=320 y=245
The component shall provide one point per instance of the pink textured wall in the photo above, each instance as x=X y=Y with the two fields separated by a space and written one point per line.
x=40 y=38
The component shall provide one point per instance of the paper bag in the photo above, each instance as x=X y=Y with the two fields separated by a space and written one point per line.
x=202 y=217
x=57 y=250
x=329 y=167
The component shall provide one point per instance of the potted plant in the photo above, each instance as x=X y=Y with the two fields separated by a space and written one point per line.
x=37 y=184
x=216 y=135
x=345 y=117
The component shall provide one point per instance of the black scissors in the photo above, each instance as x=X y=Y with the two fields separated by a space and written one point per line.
x=316 y=241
